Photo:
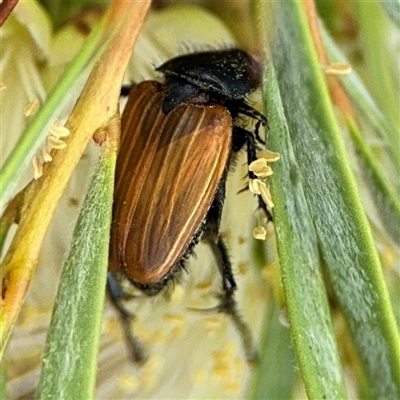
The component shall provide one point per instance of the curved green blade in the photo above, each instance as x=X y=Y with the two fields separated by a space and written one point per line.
x=344 y=236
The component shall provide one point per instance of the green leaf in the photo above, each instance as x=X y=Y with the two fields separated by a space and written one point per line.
x=320 y=168
x=365 y=104
x=303 y=284
x=373 y=172
x=392 y=9
x=386 y=200
x=378 y=66
x=274 y=378
x=70 y=360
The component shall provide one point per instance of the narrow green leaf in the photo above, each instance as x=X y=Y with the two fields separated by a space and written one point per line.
x=365 y=104
x=385 y=198
x=3 y=380
x=377 y=65
x=275 y=376
x=307 y=304
x=344 y=236
x=70 y=360
x=392 y=9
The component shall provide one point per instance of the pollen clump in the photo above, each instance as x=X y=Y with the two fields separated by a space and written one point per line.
x=213 y=324
x=56 y=143
x=227 y=368
x=270 y=156
x=37 y=168
x=178 y=322
x=206 y=285
x=59 y=131
x=260 y=233
x=260 y=168
x=256 y=186
x=46 y=155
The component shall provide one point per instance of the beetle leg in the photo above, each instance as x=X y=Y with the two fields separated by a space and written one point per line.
x=126 y=88
x=242 y=136
x=227 y=304
x=117 y=296
x=251 y=112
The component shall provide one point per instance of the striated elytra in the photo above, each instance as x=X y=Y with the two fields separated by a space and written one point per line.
x=177 y=139
x=168 y=171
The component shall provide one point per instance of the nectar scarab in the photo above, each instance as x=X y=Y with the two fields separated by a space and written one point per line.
x=177 y=138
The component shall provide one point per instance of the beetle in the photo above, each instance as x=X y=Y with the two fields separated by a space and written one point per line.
x=177 y=140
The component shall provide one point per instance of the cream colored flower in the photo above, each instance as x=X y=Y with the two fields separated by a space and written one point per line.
x=192 y=354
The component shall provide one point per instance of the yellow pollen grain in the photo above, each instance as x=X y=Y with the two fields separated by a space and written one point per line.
x=55 y=143
x=260 y=233
x=142 y=332
x=232 y=386
x=239 y=364
x=203 y=285
x=158 y=337
x=112 y=325
x=221 y=370
x=223 y=361
x=129 y=382
x=213 y=324
x=2 y=86
x=31 y=108
x=59 y=131
x=37 y=168
x=338 y=69
x=242 y=268
x=153 y=364
x=46 y=155
x=177 y=331
x=179 y=322
x=199 y=376
x=177 y=294
x=174 y=318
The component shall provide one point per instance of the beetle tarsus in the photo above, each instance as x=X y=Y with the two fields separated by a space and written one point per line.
x=134 y=344
x=117 y=296
x=227 y=304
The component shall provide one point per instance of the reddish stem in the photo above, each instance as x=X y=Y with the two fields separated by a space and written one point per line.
x=6 y=8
